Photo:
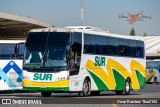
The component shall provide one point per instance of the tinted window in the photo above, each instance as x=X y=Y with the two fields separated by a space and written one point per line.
x=58 y=39
x=112 y=46
x=100 y=45
x=89 y=44
x=96 y=44
x=7 y=51
x=76 y=53
x=123 y=48
x=47 y=49
x=132 y=48
x=77 y=41
x=20 y=50
x=140 y=49
x=37 y=39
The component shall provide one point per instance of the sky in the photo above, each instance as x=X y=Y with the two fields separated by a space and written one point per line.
x=98 y=13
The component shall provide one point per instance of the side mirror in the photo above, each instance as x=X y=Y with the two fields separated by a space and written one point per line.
x=68 y=50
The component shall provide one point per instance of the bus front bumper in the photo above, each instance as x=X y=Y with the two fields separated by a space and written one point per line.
x=62 y=85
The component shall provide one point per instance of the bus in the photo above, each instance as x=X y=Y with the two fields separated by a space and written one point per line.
x=11 y=60
x=153 y=71
x=84 y=60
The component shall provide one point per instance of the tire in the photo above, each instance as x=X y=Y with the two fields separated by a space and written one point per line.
x=86 y=90
x=127 y=87
x=119 y=92
x=95 y=93
x=46 y=94
x=155 y=80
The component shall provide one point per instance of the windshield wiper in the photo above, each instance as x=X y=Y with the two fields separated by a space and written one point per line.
x=34 y=65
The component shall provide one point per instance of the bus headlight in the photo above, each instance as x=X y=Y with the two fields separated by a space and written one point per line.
x=62 y=78
x=26 y=77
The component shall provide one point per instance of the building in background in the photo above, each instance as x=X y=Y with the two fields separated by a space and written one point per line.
x=152 y=46
x=16 y=27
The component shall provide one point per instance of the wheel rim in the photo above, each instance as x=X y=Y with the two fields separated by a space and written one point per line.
x=155 y=80
x=127 y=87
x=85 y=88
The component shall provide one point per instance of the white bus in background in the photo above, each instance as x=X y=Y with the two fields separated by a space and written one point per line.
x=11 y=59
x=86 y=60
x=153 y=71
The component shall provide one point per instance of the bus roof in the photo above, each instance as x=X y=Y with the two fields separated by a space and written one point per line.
x=88 y=30
x=11 y=41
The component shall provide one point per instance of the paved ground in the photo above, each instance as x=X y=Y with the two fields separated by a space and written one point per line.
x=151 y=92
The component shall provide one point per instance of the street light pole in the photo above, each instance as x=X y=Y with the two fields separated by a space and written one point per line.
x=82 y=12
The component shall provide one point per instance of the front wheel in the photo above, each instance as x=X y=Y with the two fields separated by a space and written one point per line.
x=86 y=90
x=46 y=94
x=127 y=87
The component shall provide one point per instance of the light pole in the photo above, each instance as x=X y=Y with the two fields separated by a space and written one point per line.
x=82 y=12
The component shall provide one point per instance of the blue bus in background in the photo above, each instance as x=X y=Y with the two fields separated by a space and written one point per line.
x=11 y=60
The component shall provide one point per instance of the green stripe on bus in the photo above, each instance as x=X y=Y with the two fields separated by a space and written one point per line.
x=119 y=79
x=100 y=84
x=141 y=79
x=149 y=79
x=47 y=88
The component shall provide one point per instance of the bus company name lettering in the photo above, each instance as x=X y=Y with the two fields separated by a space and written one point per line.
x=100 y=61
x=39 y=76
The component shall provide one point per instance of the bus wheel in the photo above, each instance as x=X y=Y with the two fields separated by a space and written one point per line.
x=86 y=90
x=46 y=94
x=95 y=93
x=155 y=80
x=119 y=92
x=127 y=87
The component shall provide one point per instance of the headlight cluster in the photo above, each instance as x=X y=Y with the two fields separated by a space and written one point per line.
x=26 y=77
x=62 y=78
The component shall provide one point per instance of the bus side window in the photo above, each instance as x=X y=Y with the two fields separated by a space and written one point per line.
x=140 y=50
x=132 y=48
x=138 y=54
x=112 y=46
x=75 y=54
x=123 y=49
x=89 y=44
x=20 y=51
x=100 y=45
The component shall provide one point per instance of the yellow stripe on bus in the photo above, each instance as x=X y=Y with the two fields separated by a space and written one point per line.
x=61 y=83
x=109 y=79
x=150 y=74
x=124 y=72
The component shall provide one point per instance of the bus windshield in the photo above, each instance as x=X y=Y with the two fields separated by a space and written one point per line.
x=46 y=50
x=7 y=51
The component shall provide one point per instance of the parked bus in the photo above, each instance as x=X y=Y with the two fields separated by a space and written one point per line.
x=11 y=60
x=153 y=71
x=85 y=59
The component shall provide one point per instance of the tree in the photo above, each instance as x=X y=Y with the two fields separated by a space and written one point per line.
x=132 y=32
x=145 y=34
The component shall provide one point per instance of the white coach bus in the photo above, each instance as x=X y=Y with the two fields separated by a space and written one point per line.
x=11 y=60
x=85 y=59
